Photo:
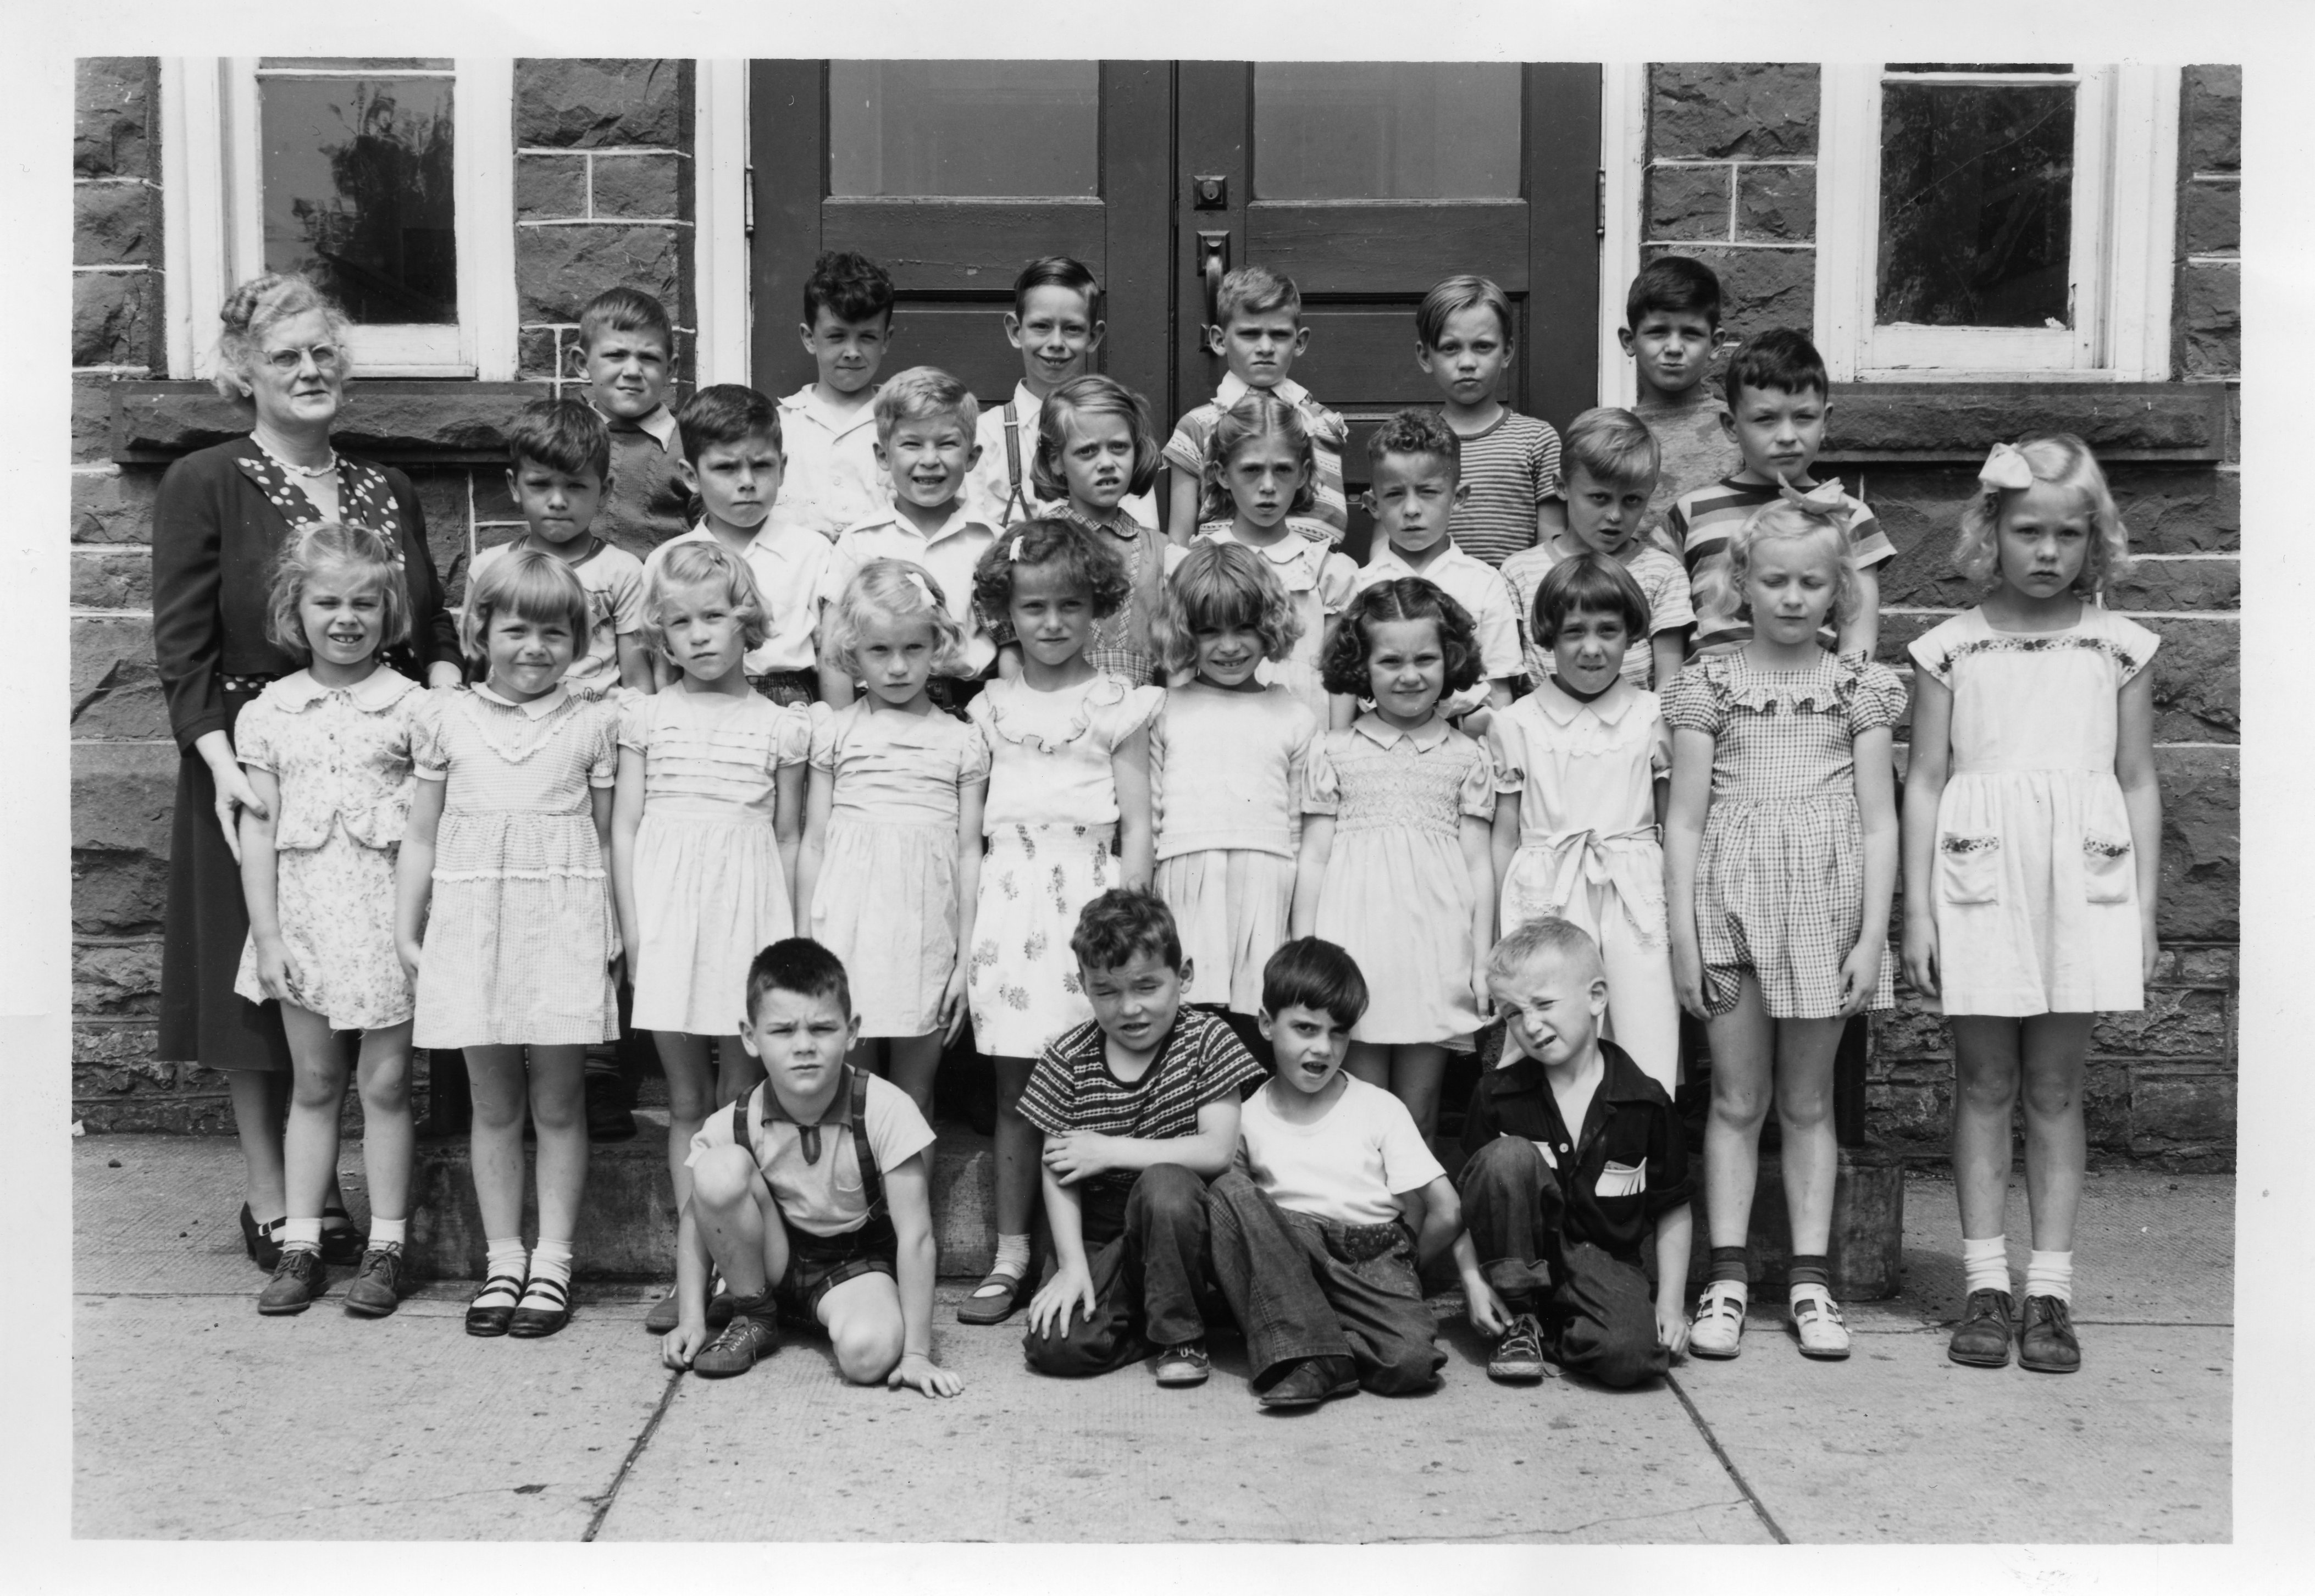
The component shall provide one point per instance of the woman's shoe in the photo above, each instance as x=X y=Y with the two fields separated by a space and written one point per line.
x=545 y=1307
x=1816 y=1320
x=262 y=1242
x=1717 y=1328
x=492 y=1311
x=343 y=1246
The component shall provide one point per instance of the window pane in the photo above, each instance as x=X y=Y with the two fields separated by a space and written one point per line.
x=355 y=186
x=1385 y=130
x=1976 y=205
x=964 y=127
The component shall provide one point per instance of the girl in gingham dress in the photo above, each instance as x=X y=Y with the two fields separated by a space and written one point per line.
x=1780 y=856
x=504 y=914
x=1068 y=818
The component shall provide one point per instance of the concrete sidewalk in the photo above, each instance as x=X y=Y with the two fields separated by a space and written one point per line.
x=193 y=1417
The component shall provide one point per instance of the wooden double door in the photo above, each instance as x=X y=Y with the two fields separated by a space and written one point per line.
x=1365 y=182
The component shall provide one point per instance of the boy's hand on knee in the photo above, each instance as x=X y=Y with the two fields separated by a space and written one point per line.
x=681 y=1344
x=918 y=1372
x=1049 y=1310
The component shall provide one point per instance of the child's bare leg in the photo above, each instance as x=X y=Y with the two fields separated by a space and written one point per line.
x=1811 y=1154
x=1019 y=1145
x=863 y=1315
x=318 y=1091
x=500 y=1089
x=1368 y=1061
x=1985 y=1094
x=738 y=1072
x=732 y=1207
x=2056 y=1144
x=690 y=1097
x=1742 y=1044
x=558 y=1109
x=914 y=1062
x=1416 y=1072
x=382 y=1076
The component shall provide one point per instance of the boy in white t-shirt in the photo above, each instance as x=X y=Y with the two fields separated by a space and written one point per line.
x=1334 y=1201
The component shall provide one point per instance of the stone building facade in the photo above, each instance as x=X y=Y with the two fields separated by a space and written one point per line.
x=607 y=187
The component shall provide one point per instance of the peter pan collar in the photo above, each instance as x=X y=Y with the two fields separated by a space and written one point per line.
x=537 y=709
x=1609 y=706
x=1383 y=734
x=381 y=689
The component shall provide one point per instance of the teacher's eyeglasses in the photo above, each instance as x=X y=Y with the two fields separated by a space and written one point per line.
x=287 y=361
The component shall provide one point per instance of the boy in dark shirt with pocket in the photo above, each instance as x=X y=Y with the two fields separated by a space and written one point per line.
x=1572 y=1157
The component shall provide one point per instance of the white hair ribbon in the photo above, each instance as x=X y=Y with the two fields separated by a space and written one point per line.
x=924 y=589
x=1016 y=556
x=1825 y=501
x=2004 y=469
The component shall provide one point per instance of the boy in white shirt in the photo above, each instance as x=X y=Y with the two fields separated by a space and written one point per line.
x=833 y=477
x=1334 y=1201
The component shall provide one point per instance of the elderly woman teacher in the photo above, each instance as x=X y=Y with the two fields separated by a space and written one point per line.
x=222 y=516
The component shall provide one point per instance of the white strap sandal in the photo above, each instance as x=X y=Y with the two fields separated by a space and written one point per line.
x=1816 y=1319
x=1718 y=1329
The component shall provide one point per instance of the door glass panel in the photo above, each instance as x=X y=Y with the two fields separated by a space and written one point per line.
x=1385 y=130
x=355 y=184
x=963 y=127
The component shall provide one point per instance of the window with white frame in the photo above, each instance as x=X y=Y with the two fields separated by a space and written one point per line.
x=1996 y=220
x=389 y=180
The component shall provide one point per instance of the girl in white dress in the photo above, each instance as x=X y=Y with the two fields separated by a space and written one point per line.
x=708 y=813
x=327 y=751
x=2033 y=836
x=891 y=834
x=1226 y=759
x=1395 y=865
x=1068 y=818
x=503 y=913
x=1583 y=765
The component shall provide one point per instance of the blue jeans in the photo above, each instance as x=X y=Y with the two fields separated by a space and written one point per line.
x=1148 y=1259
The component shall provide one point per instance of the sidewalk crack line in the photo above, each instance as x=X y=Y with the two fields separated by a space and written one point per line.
x=650 y=1429
x=1759 y=1508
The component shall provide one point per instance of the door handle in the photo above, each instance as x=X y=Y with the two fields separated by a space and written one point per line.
x=1213 y=260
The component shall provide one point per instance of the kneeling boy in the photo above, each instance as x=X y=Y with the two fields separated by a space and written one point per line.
x=1139 y=1106
x=1309 y=1241
x=1571 y=1155
x=812 y=1196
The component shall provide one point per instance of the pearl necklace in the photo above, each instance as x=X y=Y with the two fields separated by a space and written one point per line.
x=323 y=469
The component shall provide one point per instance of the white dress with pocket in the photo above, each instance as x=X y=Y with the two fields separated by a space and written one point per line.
x=2036 y=875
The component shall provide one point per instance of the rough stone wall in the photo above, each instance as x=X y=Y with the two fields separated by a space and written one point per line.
x=1731 y=181
x=604 y=194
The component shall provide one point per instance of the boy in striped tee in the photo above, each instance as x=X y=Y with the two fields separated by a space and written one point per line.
x=1510 y=462
x=1139 y=1106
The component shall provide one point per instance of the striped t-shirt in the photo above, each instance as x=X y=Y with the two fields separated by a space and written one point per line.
x=1329 y=517
x=1662 y=581
x=1703 y=521
x=1510 y=469
x=1200 y=1061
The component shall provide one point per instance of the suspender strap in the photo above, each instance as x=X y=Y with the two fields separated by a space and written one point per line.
x=1013 y=465
x=739 y=1138
x=871 y=1180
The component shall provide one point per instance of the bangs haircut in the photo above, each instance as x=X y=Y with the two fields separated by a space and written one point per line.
x=923 y=394
x=626 y=310
x=1419 y=433
x=1782 y=521
x=1313 y=973
x=563 y=435
x=1048 y=541
x=258 y=305
x=899 y=590
x=1255 y=290
x=1781 y=358
x=1092 y=395
x=328 y=547
x=684 y=567
x=1122 y=922
x=849 y=286
x=1257 y=415
x=1545 y=934
x=1676 y=284
x=1057 y=271
x=798 y=964
x=1343 y=667
x=726 y=414
x=1614 y=445
x=1224 y=584
x=1589 y=584
x=2065 y=460
x=1456 y=294
x=536 y=587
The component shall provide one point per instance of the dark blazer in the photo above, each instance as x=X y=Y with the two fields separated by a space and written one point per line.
x=217 y=529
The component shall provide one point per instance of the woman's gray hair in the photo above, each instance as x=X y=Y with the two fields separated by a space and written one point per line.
x=257 y=305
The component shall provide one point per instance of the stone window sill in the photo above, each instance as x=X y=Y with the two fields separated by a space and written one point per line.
x=399 y=422
x=2181 y=422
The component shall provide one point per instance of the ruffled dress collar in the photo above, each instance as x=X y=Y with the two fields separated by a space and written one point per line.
x=375 y=693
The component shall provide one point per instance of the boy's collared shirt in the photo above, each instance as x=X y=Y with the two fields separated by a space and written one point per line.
x=787 y=563
x=826 y=1196
x=1329 y=518
x=1661 y=579
x=647 y=503
x=989 y=491
x=1479 y=588
x=1625 y=1168
x=1705 y=520
x=833 y=478
x=1200 y=1061
x=614 y=580
x=1347 y=1165
x=950 y=553
x=1510 y=467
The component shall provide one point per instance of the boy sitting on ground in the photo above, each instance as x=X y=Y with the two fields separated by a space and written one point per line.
x=1570 y=1157
x=812 y=1197
x=1310 y=1242
x=1139 y=1109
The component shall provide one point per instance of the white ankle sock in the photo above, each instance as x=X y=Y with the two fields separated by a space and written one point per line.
x=505 y=1255
x=304 y=1232
x=1013 y=1254
x=387 y=1233
x=1985 y=1263
x=551 y=1260
x=2051 y=1274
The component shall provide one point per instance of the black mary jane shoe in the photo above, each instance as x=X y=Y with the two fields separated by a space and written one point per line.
x=343 y=1246
x=551 y=1313
x=261 y=1242
x=495 y=1318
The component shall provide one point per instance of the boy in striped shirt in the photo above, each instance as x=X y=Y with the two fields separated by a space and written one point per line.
x=1139 y=1106
x=1510 y=462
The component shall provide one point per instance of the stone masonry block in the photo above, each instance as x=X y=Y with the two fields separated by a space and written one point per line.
x=2202 y=844
x=115 y=578
x=1759 y=288
x=112 y=323
x=548 y=186
x=2179 y=509
x=114 y=506
x=2177 y=585
x=114 y=98
x=442 y=496
x=1955 y=422
x=2197 y=681
x=2210 y=119
x=122 y=796
x=578 y=103
x=1723 y=110
x=2210 y=219
x=1775 y=204
x=2207 y=323
x=1913 y=1031
x=91 y=419
x=2177 y=1023
x=1913 y=1119
x=2106 y=1105
x=639 y=185
x=537 y=354
x=116 y=223
x=116 y=694
x=2215 y=967
x=2181 y=1111
x=558 y=269
x=1687 y=202
x=116 y=979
